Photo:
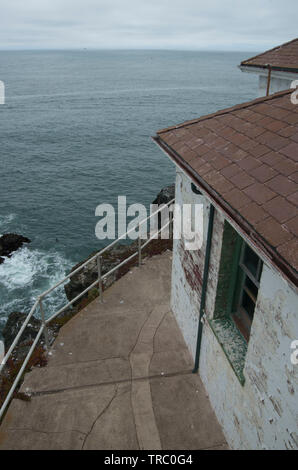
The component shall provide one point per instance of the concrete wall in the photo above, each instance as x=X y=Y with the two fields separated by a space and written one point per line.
x=264 y=412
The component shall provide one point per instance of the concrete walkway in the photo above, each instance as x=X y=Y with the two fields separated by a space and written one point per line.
x=119 y=377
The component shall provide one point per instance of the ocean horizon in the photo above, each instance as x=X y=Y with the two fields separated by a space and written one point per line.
x=76 y=132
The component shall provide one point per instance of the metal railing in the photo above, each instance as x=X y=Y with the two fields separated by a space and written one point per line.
x=99 y=282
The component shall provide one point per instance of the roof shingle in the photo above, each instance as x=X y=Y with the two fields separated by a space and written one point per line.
x=253 y=169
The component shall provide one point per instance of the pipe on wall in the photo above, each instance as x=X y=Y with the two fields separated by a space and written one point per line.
x=204 y=288
x=268 y=79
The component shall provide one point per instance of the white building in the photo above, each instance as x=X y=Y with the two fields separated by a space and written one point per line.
x=277 y=68
x=235 y=299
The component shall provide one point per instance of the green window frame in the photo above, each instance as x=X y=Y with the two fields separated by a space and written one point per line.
x=239 y=277
x=244 y=287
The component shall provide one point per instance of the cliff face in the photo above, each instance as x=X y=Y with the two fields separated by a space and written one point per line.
x=13 y=326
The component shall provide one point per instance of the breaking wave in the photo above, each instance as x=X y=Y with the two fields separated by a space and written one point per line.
x=27 y=274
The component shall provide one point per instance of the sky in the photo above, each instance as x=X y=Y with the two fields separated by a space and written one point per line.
x=242 y=25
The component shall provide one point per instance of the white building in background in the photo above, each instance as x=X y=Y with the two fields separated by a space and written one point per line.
x=236 y=299
x=277 y=68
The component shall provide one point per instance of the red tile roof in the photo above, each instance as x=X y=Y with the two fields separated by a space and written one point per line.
x=245 y=158
x=284 y=57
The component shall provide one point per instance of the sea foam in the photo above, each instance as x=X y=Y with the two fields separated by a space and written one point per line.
x=28 y=273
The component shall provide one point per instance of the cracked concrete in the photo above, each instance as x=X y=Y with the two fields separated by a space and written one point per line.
x=119 y=377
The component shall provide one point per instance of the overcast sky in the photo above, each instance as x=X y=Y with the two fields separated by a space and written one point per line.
x=252 y=25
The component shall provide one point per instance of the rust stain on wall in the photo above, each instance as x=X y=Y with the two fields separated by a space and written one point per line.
x=192 y=270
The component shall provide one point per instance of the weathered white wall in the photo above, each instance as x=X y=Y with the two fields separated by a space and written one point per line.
x=264 y=412
x=276 y=84
x=187 y=270
x=188 y=267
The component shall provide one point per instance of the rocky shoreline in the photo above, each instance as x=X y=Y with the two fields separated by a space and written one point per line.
x=78 y=283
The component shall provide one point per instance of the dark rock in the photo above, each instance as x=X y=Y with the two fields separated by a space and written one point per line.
x=11 y=242
x=165 y=195
x=13 y=325
x=1 y=260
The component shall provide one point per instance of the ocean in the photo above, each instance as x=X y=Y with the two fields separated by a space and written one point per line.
x=75 y=132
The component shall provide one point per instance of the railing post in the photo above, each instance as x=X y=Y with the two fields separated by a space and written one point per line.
x=99 y=279
x=45 y=331
x=140 y=247
x=171 y=228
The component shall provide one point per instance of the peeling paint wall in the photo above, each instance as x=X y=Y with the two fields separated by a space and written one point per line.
x=188 y=268
x=262 y=414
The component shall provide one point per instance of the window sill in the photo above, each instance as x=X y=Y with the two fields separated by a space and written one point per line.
x=232 y=343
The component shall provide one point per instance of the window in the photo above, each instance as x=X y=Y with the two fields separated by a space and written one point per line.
x=238 y=284
x=245 y=287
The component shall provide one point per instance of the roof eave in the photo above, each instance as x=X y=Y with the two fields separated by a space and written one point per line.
x=246 y=67
x=244 y=227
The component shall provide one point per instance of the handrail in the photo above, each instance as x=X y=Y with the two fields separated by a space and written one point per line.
x=103 y=251
x=43 y=328
x=14 y=343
